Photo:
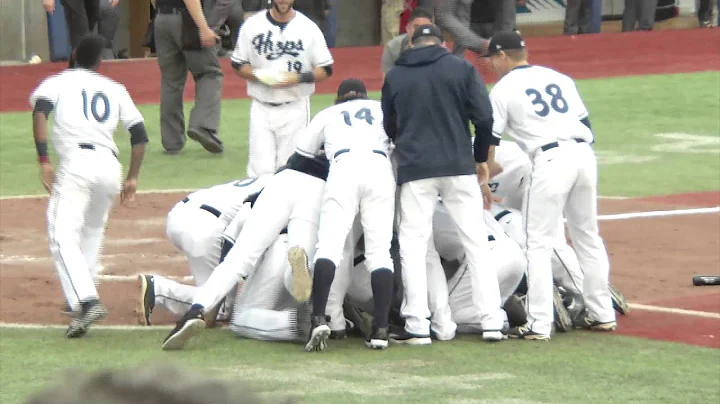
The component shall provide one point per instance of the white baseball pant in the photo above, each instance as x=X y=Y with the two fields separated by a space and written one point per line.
x=564 y=178
x=291 y=199
x=462 y=197
x=273 y=134
x=86 y=183
x=265 y=310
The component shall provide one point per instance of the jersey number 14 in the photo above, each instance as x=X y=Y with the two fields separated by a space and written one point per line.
x=96 y=98
x=363 y=114
x=557 y=102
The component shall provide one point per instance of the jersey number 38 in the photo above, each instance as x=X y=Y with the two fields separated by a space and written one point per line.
x=557 y=102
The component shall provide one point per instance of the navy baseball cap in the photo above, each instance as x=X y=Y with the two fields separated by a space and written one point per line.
x=350 y=85
x=505 y=40
x=427 y=30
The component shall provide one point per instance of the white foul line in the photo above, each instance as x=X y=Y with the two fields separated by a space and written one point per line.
x=672 y=310
x=660 y=213
x=94 y=327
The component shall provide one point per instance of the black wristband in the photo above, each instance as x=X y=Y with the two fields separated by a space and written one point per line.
x=307 y=77
x=42 y=149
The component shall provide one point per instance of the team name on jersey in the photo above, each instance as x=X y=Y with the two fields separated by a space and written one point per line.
x=272 y=50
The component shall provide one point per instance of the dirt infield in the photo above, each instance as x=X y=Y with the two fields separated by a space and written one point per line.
x=653 y=259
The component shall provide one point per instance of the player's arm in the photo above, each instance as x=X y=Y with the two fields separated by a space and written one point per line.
x=135 y=125
x=387 y=103
x=311 y=138
x=321 y=60
x=240 y=58
x=41 y=111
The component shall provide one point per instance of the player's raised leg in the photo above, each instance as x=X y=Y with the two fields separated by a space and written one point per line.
x=463 y=199
x=581 y=212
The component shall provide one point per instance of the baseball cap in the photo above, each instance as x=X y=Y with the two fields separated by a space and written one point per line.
x=505 y=40
x=427 y=30
x=349 y=85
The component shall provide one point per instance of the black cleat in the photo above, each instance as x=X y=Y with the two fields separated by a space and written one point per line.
x=146 y=302
x=188 y=326
x=406 y=338
x=378 y=339
x=92 y=312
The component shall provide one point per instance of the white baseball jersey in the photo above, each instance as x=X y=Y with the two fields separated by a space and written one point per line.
x=87 y=108
x=536 y=106
x=298 y=46
x=511 y=182
x=356 y=124
x=228 y=198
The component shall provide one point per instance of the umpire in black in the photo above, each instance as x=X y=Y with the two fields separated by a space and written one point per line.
x=184 y=40
x=427 y=100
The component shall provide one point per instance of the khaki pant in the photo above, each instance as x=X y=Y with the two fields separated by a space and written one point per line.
x=390 y=19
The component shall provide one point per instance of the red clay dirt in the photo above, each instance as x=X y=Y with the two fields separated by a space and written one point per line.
x=653 y=259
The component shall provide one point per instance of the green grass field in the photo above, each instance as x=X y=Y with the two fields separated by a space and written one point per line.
x=627 y=114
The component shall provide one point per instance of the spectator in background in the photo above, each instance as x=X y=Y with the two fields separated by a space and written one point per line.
x=82 y=16
x=704 y=13
x=640 y=13
x=461 y=11
x=390 y=12
x=460 y=30
x=317 y=11
x=393 y=49
x=505 y=14
x=490 y=16
x=577 y=17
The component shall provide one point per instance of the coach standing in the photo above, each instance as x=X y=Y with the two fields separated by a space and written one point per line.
x=427 y=100
x=184 y=41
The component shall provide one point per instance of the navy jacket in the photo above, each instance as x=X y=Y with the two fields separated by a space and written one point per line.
x=428 y=98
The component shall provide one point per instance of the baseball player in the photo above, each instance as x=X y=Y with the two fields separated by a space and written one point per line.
x=282 y=54
x=543 y=112
x=195 y=226
x=360 y=180
x=291 y=198
x=87 y=107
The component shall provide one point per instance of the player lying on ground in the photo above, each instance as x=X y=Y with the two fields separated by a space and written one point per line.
x=291 y=198
x=195 y=226
x=87 y=107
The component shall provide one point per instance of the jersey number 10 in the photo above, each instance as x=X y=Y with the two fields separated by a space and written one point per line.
x=99 y=96
x=363 y=114
x=557 y=102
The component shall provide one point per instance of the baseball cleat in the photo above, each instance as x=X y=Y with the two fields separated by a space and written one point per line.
x=317 y=341
x=91 y=313
x=406 y=338
x=599 y=326
x=146 y=302
x=208 y=140
x=493 y=336
x=524 y=332
x=67 y=311
x=618 y=301
x=378 y=338
x=563 y=322
x=301 y=280
x=189 y=326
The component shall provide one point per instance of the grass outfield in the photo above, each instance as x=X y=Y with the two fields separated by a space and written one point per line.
x=627 y=115
x=579 y=367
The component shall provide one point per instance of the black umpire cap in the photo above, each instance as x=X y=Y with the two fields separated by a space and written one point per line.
x=351 y=85
x=427 y=30
x=505 y=40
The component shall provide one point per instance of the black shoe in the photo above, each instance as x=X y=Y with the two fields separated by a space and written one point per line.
x=338 y=334
x=378 y=338
x=207 y=139
x=317 y=341
x=188 y=326
x=355 y=316
x=92 y=312
x=146 y=303
x=404 y=337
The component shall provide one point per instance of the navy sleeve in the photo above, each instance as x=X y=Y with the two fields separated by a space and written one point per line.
x=479 y=108
x=388 y=108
